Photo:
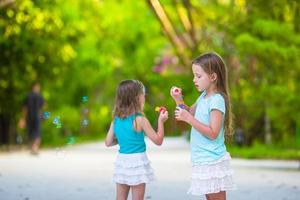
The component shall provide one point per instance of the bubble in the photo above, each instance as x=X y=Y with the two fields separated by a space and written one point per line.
x=71 y=140
x=85 y=111
x=57 y=122
x=85 y=122
x=46 y=115
x=84 y=99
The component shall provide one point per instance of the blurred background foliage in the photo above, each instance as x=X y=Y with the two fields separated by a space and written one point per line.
x=85 y=48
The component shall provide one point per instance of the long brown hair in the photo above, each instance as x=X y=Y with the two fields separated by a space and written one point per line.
x=213 y=63
x=127 y=100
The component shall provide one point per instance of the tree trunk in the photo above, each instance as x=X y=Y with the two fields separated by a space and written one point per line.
x=170 y=31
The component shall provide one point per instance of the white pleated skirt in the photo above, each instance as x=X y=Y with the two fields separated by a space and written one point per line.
x=212 y=177
x=133 y=169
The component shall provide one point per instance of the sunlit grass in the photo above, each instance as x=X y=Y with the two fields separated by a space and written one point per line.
x=261 y=151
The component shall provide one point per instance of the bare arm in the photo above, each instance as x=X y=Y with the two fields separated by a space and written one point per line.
x=110 y=139
x=155 y=137
x=191 y=109
x=22 y=121
x=178 y=98
x=211 y=131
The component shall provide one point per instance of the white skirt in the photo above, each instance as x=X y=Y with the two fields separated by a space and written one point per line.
x=213 y=177
x=133 y=169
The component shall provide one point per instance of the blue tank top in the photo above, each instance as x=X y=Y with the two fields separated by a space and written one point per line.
x=129 y=140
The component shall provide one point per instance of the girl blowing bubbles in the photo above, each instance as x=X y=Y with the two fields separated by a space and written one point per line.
x=210 y=118
x=132 y=167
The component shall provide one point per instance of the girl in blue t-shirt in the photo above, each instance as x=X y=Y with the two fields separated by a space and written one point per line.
x=132 y=167
x=210 y=118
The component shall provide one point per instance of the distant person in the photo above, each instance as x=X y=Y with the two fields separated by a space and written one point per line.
x=31 y=112
x=210 y=118
x=129 y=125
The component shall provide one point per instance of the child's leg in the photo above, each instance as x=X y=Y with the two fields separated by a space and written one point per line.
x=122 y=191
x=207 y=197
x=35 y=145
x=138 y=191
x=216 y=196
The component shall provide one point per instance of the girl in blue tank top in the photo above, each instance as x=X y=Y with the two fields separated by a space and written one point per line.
x=132 y=168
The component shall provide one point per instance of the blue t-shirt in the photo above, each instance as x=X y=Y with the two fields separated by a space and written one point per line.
x=129 y=140
x=203 y=149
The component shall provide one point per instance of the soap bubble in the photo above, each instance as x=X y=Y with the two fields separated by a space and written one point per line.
x=85 y=111
x=57 y=122
x=46 y=115
x=71 y=140
x=85 y=122
x=84 y=99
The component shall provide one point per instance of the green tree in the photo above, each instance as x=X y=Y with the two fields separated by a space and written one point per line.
x=34 y=47
x=260 y=43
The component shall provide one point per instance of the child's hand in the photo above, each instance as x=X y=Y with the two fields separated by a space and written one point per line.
x=182 y=114
x=176 y=93
x=163 y=116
